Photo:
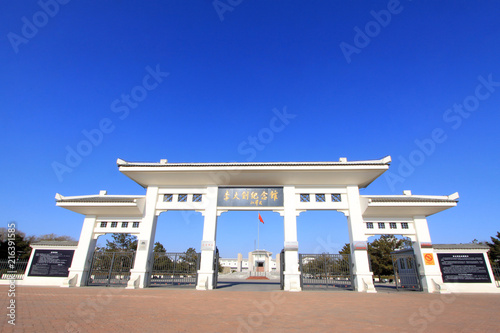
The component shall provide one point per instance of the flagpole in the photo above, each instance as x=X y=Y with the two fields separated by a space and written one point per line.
x=258 y=230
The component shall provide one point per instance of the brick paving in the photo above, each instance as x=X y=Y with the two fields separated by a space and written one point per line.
x=95 y=309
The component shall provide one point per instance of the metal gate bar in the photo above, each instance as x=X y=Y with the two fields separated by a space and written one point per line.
x=495 y=267
x=9 y=271
x=110 y=269
x=330 y=271
x=282 y=269
x=179 y=269
x=216 y=269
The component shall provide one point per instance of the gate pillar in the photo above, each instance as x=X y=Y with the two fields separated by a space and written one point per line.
x=206 y=272
x=291 y=273
x=140 y=274
x=78 y=272
x=428 y=266
x=362 y=276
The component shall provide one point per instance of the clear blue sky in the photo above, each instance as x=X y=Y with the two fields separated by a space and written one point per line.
x=360 y=95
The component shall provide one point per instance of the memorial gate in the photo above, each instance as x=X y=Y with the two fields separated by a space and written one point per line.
x=288 y=188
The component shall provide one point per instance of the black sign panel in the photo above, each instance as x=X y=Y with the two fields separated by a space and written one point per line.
x=250 y=197
x=51 y=263
x=463 y=267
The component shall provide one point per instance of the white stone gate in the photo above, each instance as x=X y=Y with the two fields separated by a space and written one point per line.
x=215 y=188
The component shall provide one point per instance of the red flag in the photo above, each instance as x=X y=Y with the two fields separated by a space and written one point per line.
x=260 y=218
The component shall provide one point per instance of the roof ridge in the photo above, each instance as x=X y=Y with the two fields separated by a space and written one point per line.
x=341 y=161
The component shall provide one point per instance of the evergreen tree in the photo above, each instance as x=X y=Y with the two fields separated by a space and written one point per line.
x=161 y=262
x=380 y=253
x=121 y=243
x=191 y=256
x=21 y=245
x=159 y=248
x=188 y=261
x=494 y=252
x=346 y=249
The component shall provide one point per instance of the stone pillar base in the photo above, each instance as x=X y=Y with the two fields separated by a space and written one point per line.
x=71 y=281
x=137 y=280
x=433 y=283
x=76 y=278
x=205 y=281
x=292 y=282
x=364 y=283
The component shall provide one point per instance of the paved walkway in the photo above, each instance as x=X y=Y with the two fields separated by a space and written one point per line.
x=96 y=309
x=248 y=285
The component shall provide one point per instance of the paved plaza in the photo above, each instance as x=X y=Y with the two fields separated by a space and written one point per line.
x=99 y=309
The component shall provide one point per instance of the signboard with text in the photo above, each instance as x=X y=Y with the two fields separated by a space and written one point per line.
x=463 y=267
x=54 y=263
x=250 y=197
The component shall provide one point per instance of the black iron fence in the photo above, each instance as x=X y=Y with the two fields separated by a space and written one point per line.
x=12 y=269
x=325 y=271
x=111 y=269
x=495 y=267
x=216 y=269
x=175 y=269
x=282 y=269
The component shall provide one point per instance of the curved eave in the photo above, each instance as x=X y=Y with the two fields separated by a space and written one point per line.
x=360 y=173
x=406 y=209
x=120 y=209
x=103 y=206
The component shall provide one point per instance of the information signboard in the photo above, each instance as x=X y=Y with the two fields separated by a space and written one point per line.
x=54 y=263
x=463 y=268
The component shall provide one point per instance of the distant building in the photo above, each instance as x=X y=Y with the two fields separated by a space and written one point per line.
x=257 y=261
